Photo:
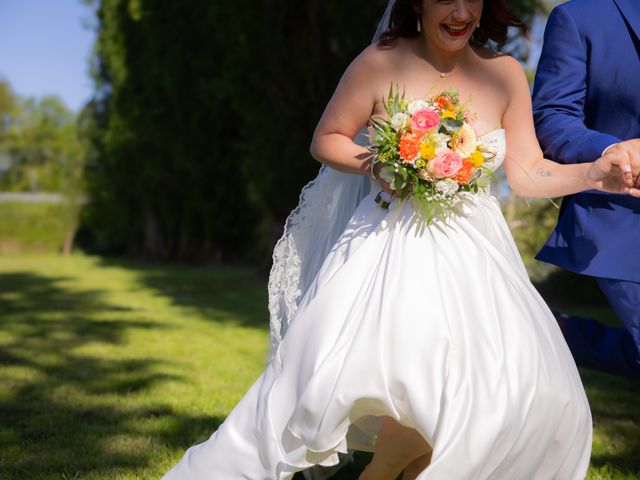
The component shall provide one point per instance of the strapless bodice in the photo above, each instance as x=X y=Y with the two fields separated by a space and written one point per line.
x=496 y=143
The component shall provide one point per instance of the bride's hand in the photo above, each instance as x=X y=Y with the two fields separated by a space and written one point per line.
x=375 y=171
x=613 y=174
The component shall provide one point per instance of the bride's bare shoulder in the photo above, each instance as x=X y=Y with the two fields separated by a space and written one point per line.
x=498 y=61
x=489 y=57
x=385 y=59
x=377 y=59
x=505 y=69
x=371 y=69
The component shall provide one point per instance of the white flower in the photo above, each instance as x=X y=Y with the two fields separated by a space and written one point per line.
x=400 y=120
x=417 y=105
x=440 y=140
x=447 y=186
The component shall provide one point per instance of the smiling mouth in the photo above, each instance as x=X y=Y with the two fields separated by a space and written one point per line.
x=457 y=30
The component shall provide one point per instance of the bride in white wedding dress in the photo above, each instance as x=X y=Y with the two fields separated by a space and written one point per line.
x=424 y=343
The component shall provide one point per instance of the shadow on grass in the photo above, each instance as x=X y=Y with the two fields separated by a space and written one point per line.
x=613 y=400
x=614 y=406
x=59 y=407
x=60 y=411
x=222 y=294
x=348 y=471
x=562 y=288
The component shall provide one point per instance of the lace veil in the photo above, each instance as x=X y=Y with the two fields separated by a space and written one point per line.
x=326 y=205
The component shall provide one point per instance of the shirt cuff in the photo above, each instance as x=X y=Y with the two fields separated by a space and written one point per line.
x=605 y=150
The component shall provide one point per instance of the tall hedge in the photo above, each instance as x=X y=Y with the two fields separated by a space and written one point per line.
x=203 y=115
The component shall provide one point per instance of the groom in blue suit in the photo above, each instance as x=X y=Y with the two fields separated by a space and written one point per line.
x=586 y=103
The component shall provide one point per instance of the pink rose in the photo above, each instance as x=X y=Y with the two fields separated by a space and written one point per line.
x=424 y=120
x=445 y=164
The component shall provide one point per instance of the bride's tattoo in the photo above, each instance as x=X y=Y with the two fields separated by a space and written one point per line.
x=543 y=173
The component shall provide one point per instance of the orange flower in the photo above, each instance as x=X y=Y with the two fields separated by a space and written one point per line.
x=464 y=175
x=442 y=102
x=409 y=146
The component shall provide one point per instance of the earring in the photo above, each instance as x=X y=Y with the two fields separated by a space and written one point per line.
x=419 y=25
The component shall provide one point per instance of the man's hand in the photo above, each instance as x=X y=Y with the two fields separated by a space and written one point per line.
x=613 y=172
x=626 y=153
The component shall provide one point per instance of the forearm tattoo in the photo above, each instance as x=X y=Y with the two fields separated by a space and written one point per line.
x=543 y=173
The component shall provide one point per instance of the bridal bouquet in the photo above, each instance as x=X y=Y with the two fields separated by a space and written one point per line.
x=430 y=151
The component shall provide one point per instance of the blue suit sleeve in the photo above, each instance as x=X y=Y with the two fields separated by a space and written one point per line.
x=559 y=95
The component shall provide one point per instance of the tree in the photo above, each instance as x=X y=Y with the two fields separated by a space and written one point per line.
x=40 y=151
x=37 y=141
x=204 y=113
x=8 y=110
x=8 y=107
x=165 y=182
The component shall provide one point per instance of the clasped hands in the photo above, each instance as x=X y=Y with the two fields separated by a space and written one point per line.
x=618 y=170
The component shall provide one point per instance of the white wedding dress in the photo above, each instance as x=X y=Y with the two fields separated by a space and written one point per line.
x=436 y=326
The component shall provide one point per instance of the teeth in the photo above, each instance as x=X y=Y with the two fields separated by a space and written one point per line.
x=456 y=28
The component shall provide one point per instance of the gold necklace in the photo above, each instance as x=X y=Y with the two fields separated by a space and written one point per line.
x=446 y=74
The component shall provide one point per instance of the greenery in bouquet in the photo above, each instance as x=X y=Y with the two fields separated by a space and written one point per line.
x=430 y=151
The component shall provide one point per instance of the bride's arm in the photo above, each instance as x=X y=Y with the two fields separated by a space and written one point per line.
x=531 y=175
x=346 y=114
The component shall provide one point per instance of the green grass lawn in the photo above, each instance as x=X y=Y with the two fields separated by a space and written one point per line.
x=111 y=369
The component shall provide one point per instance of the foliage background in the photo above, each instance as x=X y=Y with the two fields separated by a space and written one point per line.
x=195 y=144
x=193 y=149
x=203 y=118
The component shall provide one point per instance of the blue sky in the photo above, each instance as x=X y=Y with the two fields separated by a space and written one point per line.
x=45 y=47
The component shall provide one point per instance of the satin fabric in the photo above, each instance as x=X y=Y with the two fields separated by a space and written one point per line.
x=436 y=326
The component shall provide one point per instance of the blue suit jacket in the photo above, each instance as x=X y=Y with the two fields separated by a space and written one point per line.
x=587 y=97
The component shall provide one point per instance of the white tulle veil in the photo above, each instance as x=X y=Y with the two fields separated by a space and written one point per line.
x=326 y=205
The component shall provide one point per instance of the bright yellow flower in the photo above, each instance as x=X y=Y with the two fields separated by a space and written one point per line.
x=448 y=114
x=477 y=159
x=427 y=151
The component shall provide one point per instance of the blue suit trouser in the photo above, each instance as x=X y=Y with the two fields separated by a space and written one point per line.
x=610 y=349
